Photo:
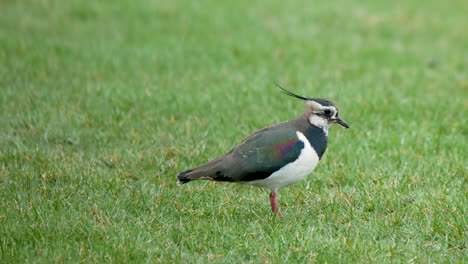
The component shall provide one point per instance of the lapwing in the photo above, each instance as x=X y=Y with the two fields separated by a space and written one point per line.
x=276 y=156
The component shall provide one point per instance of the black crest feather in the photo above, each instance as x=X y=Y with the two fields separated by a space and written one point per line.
x=321 y=101
x=292 y=94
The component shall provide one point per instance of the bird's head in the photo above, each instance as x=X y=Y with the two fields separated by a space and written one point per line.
x=319 y=112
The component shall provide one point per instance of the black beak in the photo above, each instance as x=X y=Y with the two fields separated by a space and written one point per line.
x=340 y=121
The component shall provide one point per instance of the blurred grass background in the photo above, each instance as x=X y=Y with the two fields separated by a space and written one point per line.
x=103 y=102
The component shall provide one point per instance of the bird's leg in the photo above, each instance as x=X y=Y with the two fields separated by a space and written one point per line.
x=273 y=202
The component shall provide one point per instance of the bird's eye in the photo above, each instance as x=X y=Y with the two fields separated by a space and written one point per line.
x=327 y=111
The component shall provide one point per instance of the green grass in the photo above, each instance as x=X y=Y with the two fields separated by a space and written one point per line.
x=103 y=102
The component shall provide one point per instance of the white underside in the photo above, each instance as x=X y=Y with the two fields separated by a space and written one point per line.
x=292 y=172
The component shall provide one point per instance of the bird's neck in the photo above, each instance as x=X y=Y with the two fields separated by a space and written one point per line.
x=318 y=138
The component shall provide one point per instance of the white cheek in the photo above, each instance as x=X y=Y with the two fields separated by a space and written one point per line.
x=319 y=121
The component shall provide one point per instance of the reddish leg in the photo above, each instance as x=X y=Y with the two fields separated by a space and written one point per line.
x=273 y=202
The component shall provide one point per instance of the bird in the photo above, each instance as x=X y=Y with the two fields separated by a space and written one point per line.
x=276 y=156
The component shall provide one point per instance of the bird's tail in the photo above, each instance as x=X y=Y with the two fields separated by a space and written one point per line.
x=209 y=171
x=182 y=177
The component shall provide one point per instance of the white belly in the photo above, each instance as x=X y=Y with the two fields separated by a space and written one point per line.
x=292 y=172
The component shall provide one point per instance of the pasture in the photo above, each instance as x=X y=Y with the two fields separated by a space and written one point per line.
x=103 y=102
